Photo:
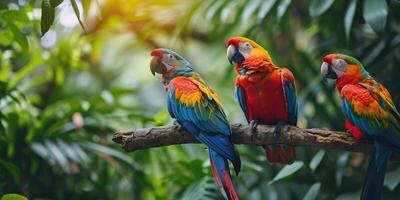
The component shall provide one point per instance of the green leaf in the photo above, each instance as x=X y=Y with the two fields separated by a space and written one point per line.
x=200 y=190
x=318 y=7
x=340 y=166
x=213 y=9
x=13 y=15
x=250 y=9
x=25 y=71
x=107 y=150
x=6 y=37
x=312 y=192
x=392 y=179
x=375 y=14
x=40 y=150
x=55 y=3
x=287 y=171
x=282 y=7
x=58 y=155
x=317 y=159
x=3 y=89
x=77 y=13
x=19 y=36
x=265 y=8
x=13 y=197
x=161 y=117
x=228 y=11
x=69 y=151
x=3 y=6
x=47 y=18
x=348 y=18
x=12 y=169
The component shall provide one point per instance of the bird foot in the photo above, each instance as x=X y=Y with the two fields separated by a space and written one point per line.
x=253 y=128
x=177 y=126
x=278 y=130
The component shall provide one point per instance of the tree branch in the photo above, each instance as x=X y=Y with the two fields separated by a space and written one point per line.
x=171 y=135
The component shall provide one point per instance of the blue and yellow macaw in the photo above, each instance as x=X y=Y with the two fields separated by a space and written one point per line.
x=196 y=107
x=369 y=111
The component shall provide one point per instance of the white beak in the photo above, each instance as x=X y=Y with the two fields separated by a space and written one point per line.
x=324 y=69
x=230 y=52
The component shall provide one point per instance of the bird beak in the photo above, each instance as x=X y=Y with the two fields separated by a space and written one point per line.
x=230 y=52
x=327 y=71
x=234 y=56
x=156 y=66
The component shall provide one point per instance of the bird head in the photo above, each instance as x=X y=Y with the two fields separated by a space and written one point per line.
x=163 y=60
x=335 y=66
x=240 y=48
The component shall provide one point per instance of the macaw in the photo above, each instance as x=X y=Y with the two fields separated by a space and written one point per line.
x=197 y=108
x=369 y=112
x=266 y=93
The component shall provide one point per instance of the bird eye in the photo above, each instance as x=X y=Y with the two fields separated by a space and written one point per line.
x=341 y=64
x=247 y=45
x=170 y=56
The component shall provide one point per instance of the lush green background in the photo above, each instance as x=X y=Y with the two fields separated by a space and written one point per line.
x=63 y=94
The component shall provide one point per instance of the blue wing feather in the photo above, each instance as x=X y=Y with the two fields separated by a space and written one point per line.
x=207 y=123
x=370 y=127
x=291 y=101
x=241 y=98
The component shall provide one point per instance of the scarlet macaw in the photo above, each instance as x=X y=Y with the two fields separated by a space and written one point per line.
x=196 y=108
x=369 y=110
x=266 y=93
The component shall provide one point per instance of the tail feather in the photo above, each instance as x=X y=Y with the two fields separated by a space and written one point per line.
x=222 y=146
x=373 y=184
x=220 y=169
x=280 y=153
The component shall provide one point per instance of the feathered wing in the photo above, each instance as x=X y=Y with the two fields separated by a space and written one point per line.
x=196 y=106
x=241 y=98
x=285 y=153
x=371 y=109
x=289 y=91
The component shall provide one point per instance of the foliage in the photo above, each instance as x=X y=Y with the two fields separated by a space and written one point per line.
x=72 y=72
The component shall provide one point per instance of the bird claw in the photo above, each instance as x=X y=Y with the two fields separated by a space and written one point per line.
x=278 y=130
x=177 y=125
x=253 y=128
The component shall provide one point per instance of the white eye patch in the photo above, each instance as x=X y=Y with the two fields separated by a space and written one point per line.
x=245 y=49
x=169 y=61
x=339 y=66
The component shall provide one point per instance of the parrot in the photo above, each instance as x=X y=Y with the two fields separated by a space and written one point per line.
x=369 y=112
x=196 y=108
x=265 y=92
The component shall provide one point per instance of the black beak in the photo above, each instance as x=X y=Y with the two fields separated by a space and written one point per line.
x=331 y=74
x=234 y=56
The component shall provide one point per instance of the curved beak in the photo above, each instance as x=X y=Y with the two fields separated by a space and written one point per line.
x=156 y=66
x=327 y=71
x=234 y=55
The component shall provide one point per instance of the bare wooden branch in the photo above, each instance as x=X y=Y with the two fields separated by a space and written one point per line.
x=171 y=135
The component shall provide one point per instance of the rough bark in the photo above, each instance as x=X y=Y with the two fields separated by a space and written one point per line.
x=172 y=135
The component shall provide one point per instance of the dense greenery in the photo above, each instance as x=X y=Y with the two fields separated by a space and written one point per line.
x=63 y=94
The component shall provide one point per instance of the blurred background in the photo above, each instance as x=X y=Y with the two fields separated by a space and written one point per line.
x=63 y=94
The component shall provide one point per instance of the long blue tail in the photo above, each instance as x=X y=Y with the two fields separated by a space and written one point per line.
x=373 y=185
x=220 y=169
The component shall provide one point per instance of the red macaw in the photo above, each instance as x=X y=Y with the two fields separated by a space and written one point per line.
x=266 y=93
x=197 y=109
x=370 y=111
